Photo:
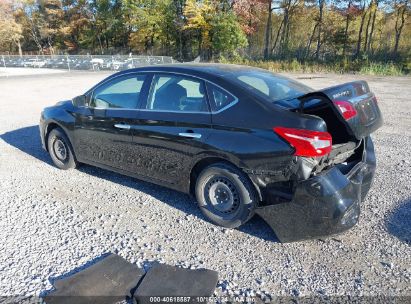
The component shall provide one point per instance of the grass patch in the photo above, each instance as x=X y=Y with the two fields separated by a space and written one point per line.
x=384 y=69
x=345 y=66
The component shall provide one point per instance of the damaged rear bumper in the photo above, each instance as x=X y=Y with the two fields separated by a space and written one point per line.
x=325 y=204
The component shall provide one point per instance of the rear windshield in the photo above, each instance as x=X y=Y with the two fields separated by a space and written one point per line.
x=270 y=85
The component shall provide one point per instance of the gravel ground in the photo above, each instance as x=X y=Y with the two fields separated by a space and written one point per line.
x=8 y=72
x=54 y=221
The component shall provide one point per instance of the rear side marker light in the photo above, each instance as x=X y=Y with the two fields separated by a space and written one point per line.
x=346 y=109
x=306 y=142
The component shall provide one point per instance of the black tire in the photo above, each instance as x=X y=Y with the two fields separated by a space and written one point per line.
x=60 y=150
x=225 y=195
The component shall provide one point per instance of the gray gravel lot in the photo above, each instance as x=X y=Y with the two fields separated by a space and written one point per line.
x=53 y=221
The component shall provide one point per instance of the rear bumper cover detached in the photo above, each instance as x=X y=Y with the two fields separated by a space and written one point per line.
x=326 y=204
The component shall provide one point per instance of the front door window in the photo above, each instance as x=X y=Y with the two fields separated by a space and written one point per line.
x=119 y=93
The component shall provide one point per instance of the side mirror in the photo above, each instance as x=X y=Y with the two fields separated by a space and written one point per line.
x=80 y=101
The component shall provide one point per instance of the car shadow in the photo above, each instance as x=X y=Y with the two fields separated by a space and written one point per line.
x=27 y=140
x=398 y=222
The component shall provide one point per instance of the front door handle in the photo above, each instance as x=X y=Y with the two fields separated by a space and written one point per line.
x=122 y=126
x=190 y=135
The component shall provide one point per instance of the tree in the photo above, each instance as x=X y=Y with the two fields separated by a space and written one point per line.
x=367 y=29
x=288 y=6
x=401 y=8
x=10 y=30
x=216 y=28
x=321 y=4
x=76 y=24
x=374 y=10
x=268 y=30
x=363 y=12
x=29 y=16
x=51 y=14
x=199 y=18
x=249 y=14
x=104 y=15
x=177 y=28
x=348 y=13
x=227 y=34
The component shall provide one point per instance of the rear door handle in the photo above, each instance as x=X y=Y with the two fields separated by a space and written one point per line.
x=190 y=135
x=122 y=126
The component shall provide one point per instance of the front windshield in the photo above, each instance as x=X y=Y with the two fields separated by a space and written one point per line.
x=273 y=86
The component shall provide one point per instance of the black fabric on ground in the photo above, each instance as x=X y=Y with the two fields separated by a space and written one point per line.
x=108 y=281
x=167 y=281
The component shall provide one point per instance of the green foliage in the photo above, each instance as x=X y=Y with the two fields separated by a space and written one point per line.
x=199 y=20
x=382 y=69
x=218 y=31
x=10 y=30
x=227 y=34
x=146 y=19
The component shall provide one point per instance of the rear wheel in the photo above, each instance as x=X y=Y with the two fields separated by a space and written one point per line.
x=60 y=150
x=225 y=195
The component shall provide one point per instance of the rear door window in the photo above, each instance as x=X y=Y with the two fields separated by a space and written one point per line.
x=220 y=98
x=177 y=93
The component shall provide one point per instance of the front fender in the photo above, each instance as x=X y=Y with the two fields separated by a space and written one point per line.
x=61 y=116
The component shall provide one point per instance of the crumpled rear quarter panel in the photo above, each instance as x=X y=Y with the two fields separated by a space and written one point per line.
x=323 y=205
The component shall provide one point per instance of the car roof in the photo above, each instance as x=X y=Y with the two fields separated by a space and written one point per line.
x=200 y=69
x=218 y=73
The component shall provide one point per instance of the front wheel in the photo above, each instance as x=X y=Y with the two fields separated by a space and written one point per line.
x=60 y=150
x=225 y=195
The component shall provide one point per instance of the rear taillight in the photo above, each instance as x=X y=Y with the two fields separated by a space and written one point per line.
x=306 y=142
x=347 y=109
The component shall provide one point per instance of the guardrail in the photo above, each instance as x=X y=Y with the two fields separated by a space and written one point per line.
x=83 y=62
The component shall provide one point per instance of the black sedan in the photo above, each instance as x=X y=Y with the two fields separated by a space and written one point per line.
x=241 y=140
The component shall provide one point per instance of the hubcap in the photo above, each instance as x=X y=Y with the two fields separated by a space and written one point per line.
x=60 y=149
x=222 y=194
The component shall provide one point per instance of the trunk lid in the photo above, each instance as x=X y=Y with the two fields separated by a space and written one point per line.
x=368 y=116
